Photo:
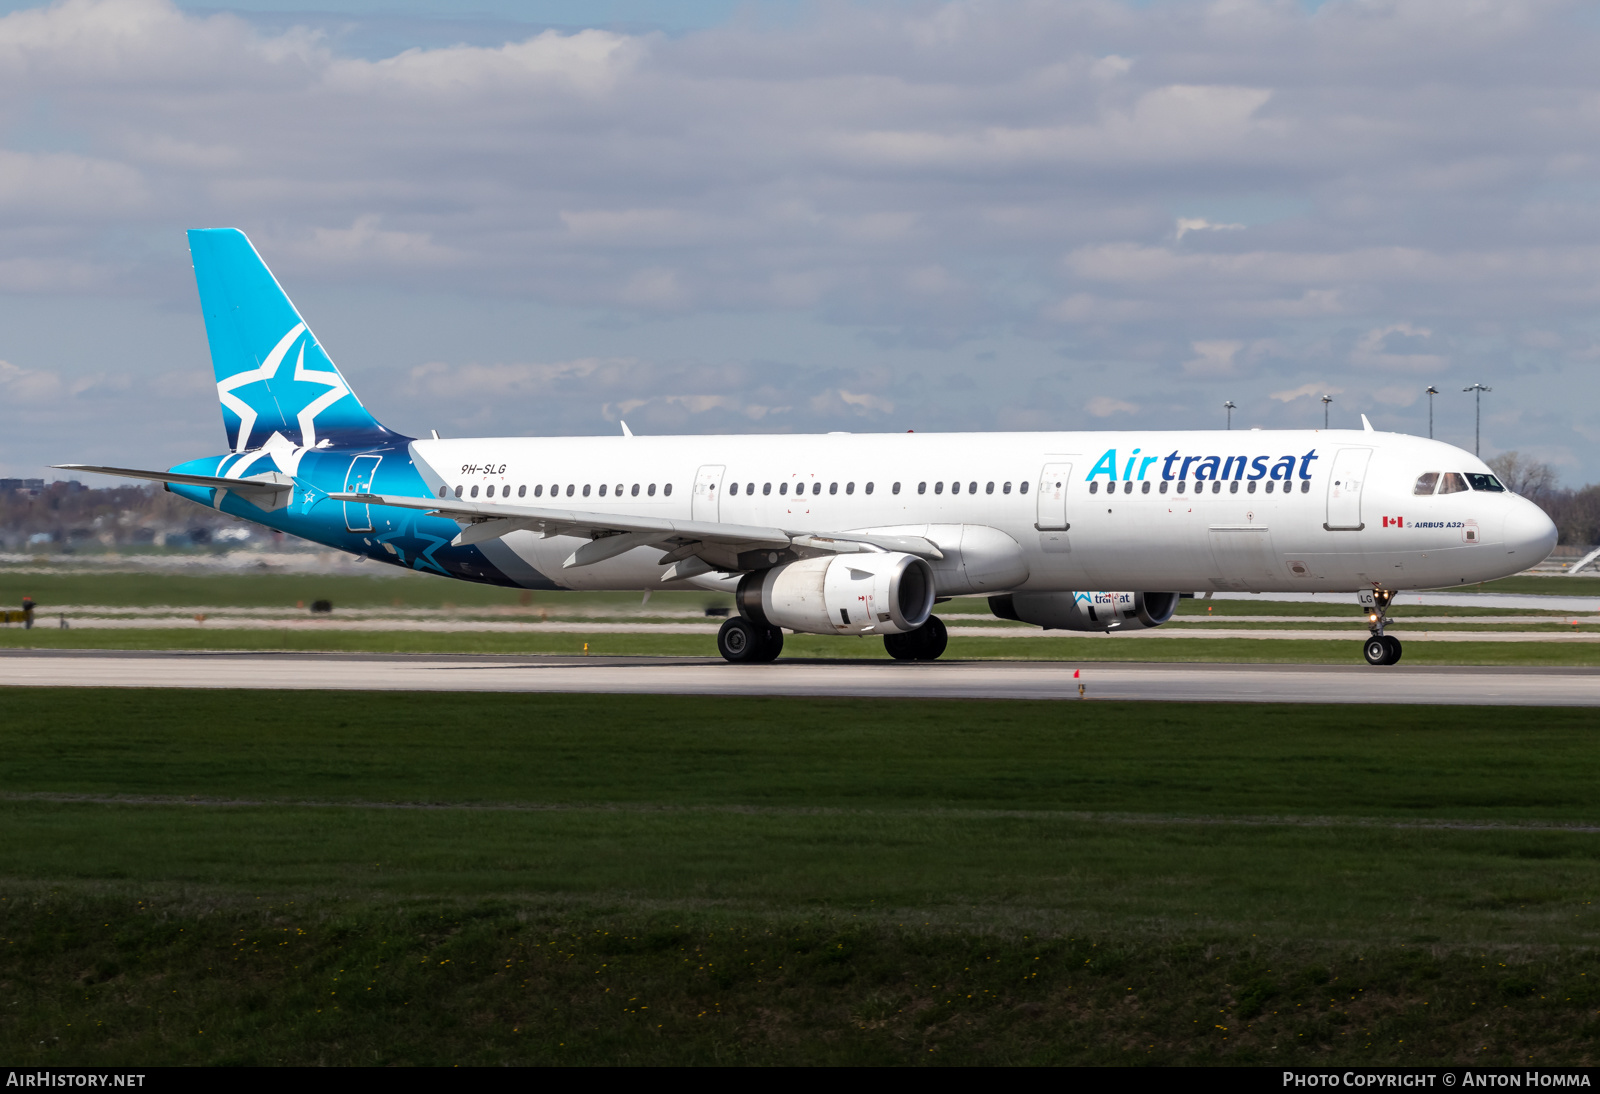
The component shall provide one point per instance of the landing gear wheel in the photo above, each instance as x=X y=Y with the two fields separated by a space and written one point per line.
x=1394 y=649
x=1377 y=650
x=771 y=643
x=902 y=647
x=739 y=642
x=925 y=643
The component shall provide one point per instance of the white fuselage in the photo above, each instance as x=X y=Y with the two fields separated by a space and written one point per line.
x=1134 y=510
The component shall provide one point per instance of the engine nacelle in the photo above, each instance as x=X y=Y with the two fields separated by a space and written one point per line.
x=1087 y=611
x=867 y=593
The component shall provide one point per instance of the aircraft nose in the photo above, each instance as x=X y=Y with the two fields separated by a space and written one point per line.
x=1530 y=533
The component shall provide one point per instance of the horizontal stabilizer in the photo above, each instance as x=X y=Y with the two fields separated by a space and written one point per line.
x=268 y=491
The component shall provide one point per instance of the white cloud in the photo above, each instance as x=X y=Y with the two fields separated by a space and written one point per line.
x=1103 y=406
x=1212 y=358
x=1306 y=391
x=1379 y=348
x=1200 y=224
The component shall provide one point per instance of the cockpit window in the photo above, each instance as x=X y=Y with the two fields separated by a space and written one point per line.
x=1426 y=483
x=1485 y=482
x=1452 y=484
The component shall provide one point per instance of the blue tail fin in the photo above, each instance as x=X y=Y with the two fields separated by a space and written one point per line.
x=272 y=376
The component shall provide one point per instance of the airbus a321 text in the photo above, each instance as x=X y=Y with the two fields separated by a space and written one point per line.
x=842 y=534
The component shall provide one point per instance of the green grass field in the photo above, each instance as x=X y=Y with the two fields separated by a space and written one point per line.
x=378 y=878
x=1044 y=648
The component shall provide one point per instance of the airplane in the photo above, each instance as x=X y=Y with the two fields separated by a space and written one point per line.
x=840 y=534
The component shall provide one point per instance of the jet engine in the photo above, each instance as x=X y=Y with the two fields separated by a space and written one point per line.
x=1087 y=611
x=867 y=593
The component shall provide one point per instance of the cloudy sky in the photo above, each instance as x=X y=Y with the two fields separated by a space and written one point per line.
x=785 y=217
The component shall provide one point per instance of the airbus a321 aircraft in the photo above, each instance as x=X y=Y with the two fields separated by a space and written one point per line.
x=840 y=534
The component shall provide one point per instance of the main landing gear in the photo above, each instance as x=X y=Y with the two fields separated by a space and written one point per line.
x=1380 y=649
x=925 y=643
x=743 y=642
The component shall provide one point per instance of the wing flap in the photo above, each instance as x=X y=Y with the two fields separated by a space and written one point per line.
x=613 y=534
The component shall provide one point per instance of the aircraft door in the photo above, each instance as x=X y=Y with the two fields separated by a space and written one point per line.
x=1052 y=501
x=707 y=503
x=358 y=480
x=1344 y=490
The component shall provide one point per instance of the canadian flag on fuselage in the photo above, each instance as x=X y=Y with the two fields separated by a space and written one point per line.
x=1394 y=522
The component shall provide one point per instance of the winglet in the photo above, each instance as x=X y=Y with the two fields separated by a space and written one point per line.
x=626 y=432
x=1366 y=425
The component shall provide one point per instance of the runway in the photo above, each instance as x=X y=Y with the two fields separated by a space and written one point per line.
x=1210 y=683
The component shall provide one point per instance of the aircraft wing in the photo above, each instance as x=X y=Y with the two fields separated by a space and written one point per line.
x=730 y=547
x=268 y=491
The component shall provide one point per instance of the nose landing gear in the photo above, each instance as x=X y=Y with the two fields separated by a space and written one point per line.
x=1380 y=649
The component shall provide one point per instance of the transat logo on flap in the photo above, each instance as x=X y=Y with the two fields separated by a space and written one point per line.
x=280 y=401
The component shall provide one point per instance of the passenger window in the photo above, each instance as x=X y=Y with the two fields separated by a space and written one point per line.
x=749 y=488
x=522 y=491
x=619 y=490
x=1216 y=487
x=1269 y=486
x=651 y=492
x=869 y=488
x=989 y=488
x=972 y=488
x=1145 y=487
x=1163 y=486
x=833 y=488
x=733 y=488
x=783 y=488
x=635 y=491
x=1182 y=485
x=1305 y=486
x=1452 y=484
x=1233 y=487
x=474 y=491
x=766 y=488
x=1250 y=488
x=1425 y=484
x=895 y=489
x=849 y=488
x=816 y=488
x=586 y=489
x=666 y=491
x=1022 y=488
x=1094 y=488
x=1485 y=482
x=938 y=487
x=922 y=488
x=602 y=490
x=570 y=489
x=538 y=490
x=1005 y=488
x=443 y=490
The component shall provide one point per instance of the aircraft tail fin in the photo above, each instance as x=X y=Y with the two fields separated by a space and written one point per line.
x=272 y=374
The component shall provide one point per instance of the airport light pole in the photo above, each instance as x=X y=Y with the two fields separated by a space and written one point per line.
x=1477 y=424
x=1326 y=399
x=1230 y=408
x=1432 y=391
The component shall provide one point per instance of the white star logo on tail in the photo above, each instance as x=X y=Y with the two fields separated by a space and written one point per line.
x=307 y=417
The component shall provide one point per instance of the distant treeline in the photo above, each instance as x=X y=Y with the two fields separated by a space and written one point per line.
x=69 y=515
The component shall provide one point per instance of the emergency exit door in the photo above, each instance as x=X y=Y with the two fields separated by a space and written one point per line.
x=1052 y=493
